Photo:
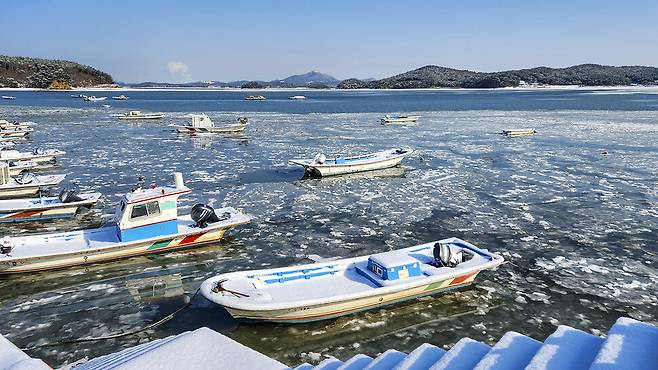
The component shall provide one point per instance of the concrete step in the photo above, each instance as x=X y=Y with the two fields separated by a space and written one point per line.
x=331 y=363
x=566 y=348
x=357 y=362
x=630 y=345
x=462 y=356
x=422 y=358
x=512 y=352
x=387 y=360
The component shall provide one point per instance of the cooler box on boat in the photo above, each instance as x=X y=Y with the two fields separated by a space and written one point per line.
x=394 y=265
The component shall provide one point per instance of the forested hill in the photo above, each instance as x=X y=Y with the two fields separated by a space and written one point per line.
x=47 y=73
x=584 y=75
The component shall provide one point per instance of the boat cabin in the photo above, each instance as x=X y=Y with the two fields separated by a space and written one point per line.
x=134 y=113
x=146 y=213
x=202 y=120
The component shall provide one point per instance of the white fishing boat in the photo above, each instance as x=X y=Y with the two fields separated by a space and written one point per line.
x=6 y=144
x=37 y=155
x=322 y=166
x=18 y=167
x=297 y=97
x=120 y=97
x=8 y=97
x=255 y=97
x=202 y=124
x=519 y=132
x=399 y=120
x=65 y=205
x=94 y=98
x=6 y=125
x=26 y=184
x=146 y=222
x=135 y=114
x=15 y=131
x=340 y=287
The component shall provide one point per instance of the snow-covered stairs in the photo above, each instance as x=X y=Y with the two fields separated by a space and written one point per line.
x=629 y=345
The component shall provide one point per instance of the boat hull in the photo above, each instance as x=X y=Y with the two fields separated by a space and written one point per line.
x=346 y=169
x=141 y=117
x=334 y=310
x=46 y=214
x=209 y=130
x=14 y=134
x=20 y=191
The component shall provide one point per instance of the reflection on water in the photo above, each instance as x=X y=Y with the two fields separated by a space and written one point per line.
x=580 y=227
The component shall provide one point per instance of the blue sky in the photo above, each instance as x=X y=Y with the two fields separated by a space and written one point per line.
x=148 y=40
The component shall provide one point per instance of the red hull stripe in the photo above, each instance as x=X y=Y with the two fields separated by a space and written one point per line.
x=190 y=239
x=461 y=279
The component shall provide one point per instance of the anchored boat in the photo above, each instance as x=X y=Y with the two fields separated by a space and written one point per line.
x=135 y=114
x=146 y=222
x=26 y=184
x=255 y=97
x=399 y=120
x=44 y=208
x=94 y=98
x=4 y=124
x=321 y=166
x=202 y=124
x=120 y=97
x=297 y=97
x=9 y=97
x=341 y=287
x=37 y=155
x=519 y=132
x=18 y=167
x=15 y=131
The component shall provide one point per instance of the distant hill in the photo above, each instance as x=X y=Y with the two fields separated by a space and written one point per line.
x=311 y=79
x=584 y=75
x=306 y=79
x=42 y=73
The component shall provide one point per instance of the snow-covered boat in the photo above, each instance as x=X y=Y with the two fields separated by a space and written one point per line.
x=15 y=131
x=135 y=114
x=399 y=120
x=297 y=97
x=146 y=222
x=6 y=144
x=255 y=97
x=26 y=184
x=37 y=155
x=344 y=286
x=322 y=166
x=120 y=97
x=519 y=132
x=4 y=124
x=9 y=97
x=202 y=124
x=94 y=98
x=18 y=167
x=44 y=208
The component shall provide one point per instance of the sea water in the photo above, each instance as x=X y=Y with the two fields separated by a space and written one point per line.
x=578 y=226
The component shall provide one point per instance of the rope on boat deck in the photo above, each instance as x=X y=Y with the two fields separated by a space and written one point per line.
x=117 y=335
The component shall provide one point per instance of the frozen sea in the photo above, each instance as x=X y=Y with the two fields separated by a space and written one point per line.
x=579 y=227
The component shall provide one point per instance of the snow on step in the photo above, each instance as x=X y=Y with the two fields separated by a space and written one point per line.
x=630 y=345
x=512 y=352
x=357 y=362
x=11 y=357
x=421 y=358
x=566 y=348
x=386 y=360
x=462 y=356
x=304 y=366
x=199 y=349
x=331 y=363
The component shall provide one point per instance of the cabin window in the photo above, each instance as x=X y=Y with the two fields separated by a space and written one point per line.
x=139 y=211
x=143 y=210
x=153 y=208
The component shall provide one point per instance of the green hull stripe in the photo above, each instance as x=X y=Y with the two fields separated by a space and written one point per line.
x=160 y=244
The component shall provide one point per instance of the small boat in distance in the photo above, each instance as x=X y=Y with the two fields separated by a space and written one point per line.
x=202 y=124
x=519 y=132
x=120 y=97
x=8 y=97
x=326 y=290
x=45 y=208
x=5 y=125
x=135 y=114
x=399 y=120
x=146 y=222
x=15 y=132
x=297 y=97
x=255 y=97
x=37 y=155
x=26 y=184
x=322 y=166
x=94 y=98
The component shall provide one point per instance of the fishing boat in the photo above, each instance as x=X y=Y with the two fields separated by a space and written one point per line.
x=399 y=120
x=146 y=222
x=15 y=131
x=135 y=114
x=340 y=287
x=255 y=97
x=297 y=97
x=65 y=205
x=120 y=97
x=94 y=98
x=519 y=132
x=8 y=97
x=202 y=124
x=18 y=167
x=26 y=184
x=6 y=144
x=6 y=125
x=37 y=155
x=322 y=166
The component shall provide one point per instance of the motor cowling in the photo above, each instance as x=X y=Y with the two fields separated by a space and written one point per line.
x=68 y=196
x=25 y=178
x=243 y=120
x=319 y=158
x=444 y=255
x=38 y=151
x=203 y=215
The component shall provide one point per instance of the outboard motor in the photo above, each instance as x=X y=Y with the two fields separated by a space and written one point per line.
x=445 y=257
x=6 y=249
x=25 y=178
x=203 y=215
x=319 y=158
x=38 y=151
x=243 y=120
x=68 y=196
